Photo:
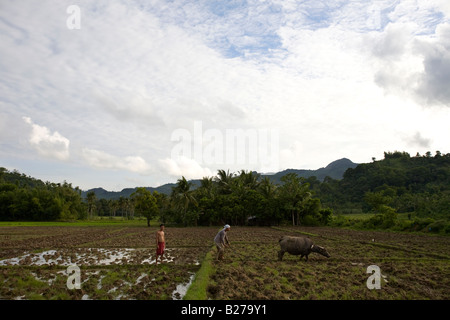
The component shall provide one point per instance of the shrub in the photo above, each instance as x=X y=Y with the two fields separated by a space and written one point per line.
x=439 y=226
x=310 y=220
x=325 y=216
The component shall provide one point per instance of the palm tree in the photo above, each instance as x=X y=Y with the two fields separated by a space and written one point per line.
x=122 y=205
x=249 y=179
x=207 y=187
x=225 y=181
x=182 y=194
x=114 y=205
x=267 y=188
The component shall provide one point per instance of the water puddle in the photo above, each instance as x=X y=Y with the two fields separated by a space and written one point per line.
x=182 y=288
x=105 y=257
x=88 y=256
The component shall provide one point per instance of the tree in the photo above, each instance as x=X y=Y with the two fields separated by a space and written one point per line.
x=145 y=204
x=206 y=197
x=270 y=204
x=91 y=199
x=163 y=203
x=207 y=188
x=224 y=181
x=293 y=195
x=2 y=173
x=248 y=180
x=183 y=197
x=377 y=200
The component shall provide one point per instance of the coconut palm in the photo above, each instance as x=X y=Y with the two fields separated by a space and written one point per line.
x=207 y=187
x=183 y=196
x=224 y=181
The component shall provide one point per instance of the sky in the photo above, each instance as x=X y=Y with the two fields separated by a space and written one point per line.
x=120 y=94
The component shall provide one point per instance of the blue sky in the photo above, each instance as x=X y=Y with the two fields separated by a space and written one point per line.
x=101 y=106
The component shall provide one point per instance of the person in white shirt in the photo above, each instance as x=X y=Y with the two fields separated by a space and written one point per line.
x=221 y=241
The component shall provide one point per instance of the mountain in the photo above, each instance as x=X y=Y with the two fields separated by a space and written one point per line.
x=334 y=170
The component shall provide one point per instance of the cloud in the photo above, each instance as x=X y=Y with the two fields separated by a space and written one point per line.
x=127 y=106
x=394 y=41
x=103 y=160
x=414 y=65
x=434 y=81
x=418 y=141
x=138 y=70
x=183 y=166
x=52 y=145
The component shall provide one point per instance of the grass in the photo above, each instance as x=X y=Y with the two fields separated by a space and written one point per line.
x=197 y=290
x=368 y=215
x=106 y=222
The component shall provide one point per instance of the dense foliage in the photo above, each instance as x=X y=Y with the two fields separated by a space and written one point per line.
x=240 y=199
x=243 y=199
x=418 y=186
x=26 y=198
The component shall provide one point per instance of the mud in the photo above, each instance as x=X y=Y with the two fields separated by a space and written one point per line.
x=104 y=256
x=115 y=262
x=412 y=266
x=118 y=263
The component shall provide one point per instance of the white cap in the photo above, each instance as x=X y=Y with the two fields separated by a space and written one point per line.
x=226 y=226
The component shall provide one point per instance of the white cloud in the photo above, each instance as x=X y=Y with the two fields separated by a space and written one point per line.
x=103 y=160
x=183 y=166
x=336 y=79
x=52 y=145
x=415 y=66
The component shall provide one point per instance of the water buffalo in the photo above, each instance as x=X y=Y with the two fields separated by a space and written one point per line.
x=299 y=246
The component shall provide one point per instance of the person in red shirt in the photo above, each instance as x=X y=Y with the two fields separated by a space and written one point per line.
x=160 y=243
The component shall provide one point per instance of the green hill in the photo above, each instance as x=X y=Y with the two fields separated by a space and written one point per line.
x=419 y=184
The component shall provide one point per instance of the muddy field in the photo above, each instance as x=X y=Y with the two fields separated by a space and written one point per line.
x=119 y=263
x=412 y=266
x=114 y=262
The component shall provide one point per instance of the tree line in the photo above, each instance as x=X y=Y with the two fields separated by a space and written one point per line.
x=25 y=198
x=242 y=198
x=417 y=185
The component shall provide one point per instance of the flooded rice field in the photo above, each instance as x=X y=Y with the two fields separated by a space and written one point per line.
x=111 y=262
x=119 y=263
x=102 y=257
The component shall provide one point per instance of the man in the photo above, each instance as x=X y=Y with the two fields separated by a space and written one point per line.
x=160 y=243
x=221 y=240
